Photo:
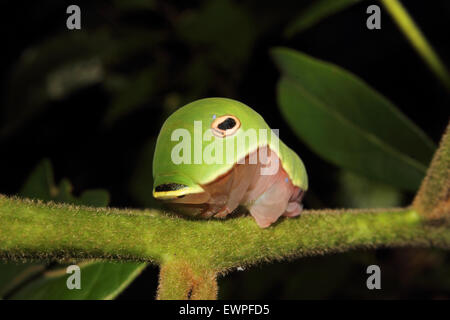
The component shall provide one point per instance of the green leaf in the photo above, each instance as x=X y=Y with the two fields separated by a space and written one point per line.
x=228 y=36
x=99 y=280
x=356 y=191
x=316 y=12
x=418 y=40
x=348 y=123
x=132 y=92
x=12 y=275
x=39 y=184
x=70 y=61
x=51 y=70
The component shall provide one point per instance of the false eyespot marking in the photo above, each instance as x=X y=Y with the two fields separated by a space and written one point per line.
x=224 y=126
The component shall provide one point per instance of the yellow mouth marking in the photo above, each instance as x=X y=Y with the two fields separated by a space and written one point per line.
x=172 y=194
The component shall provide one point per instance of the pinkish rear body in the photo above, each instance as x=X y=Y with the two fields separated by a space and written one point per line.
x=267 y=197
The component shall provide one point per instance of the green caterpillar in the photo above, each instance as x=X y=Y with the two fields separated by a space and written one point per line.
x=215 y=154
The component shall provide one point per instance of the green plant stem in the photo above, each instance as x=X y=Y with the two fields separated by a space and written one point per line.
x=179 y=281
x=34 y=230
x=417 y=39
x=433 y=198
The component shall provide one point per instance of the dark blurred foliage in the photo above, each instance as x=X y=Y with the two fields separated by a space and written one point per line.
x=93 y=101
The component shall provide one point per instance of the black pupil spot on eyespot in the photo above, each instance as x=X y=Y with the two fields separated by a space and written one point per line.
x=228 y=123
x=169 y=187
